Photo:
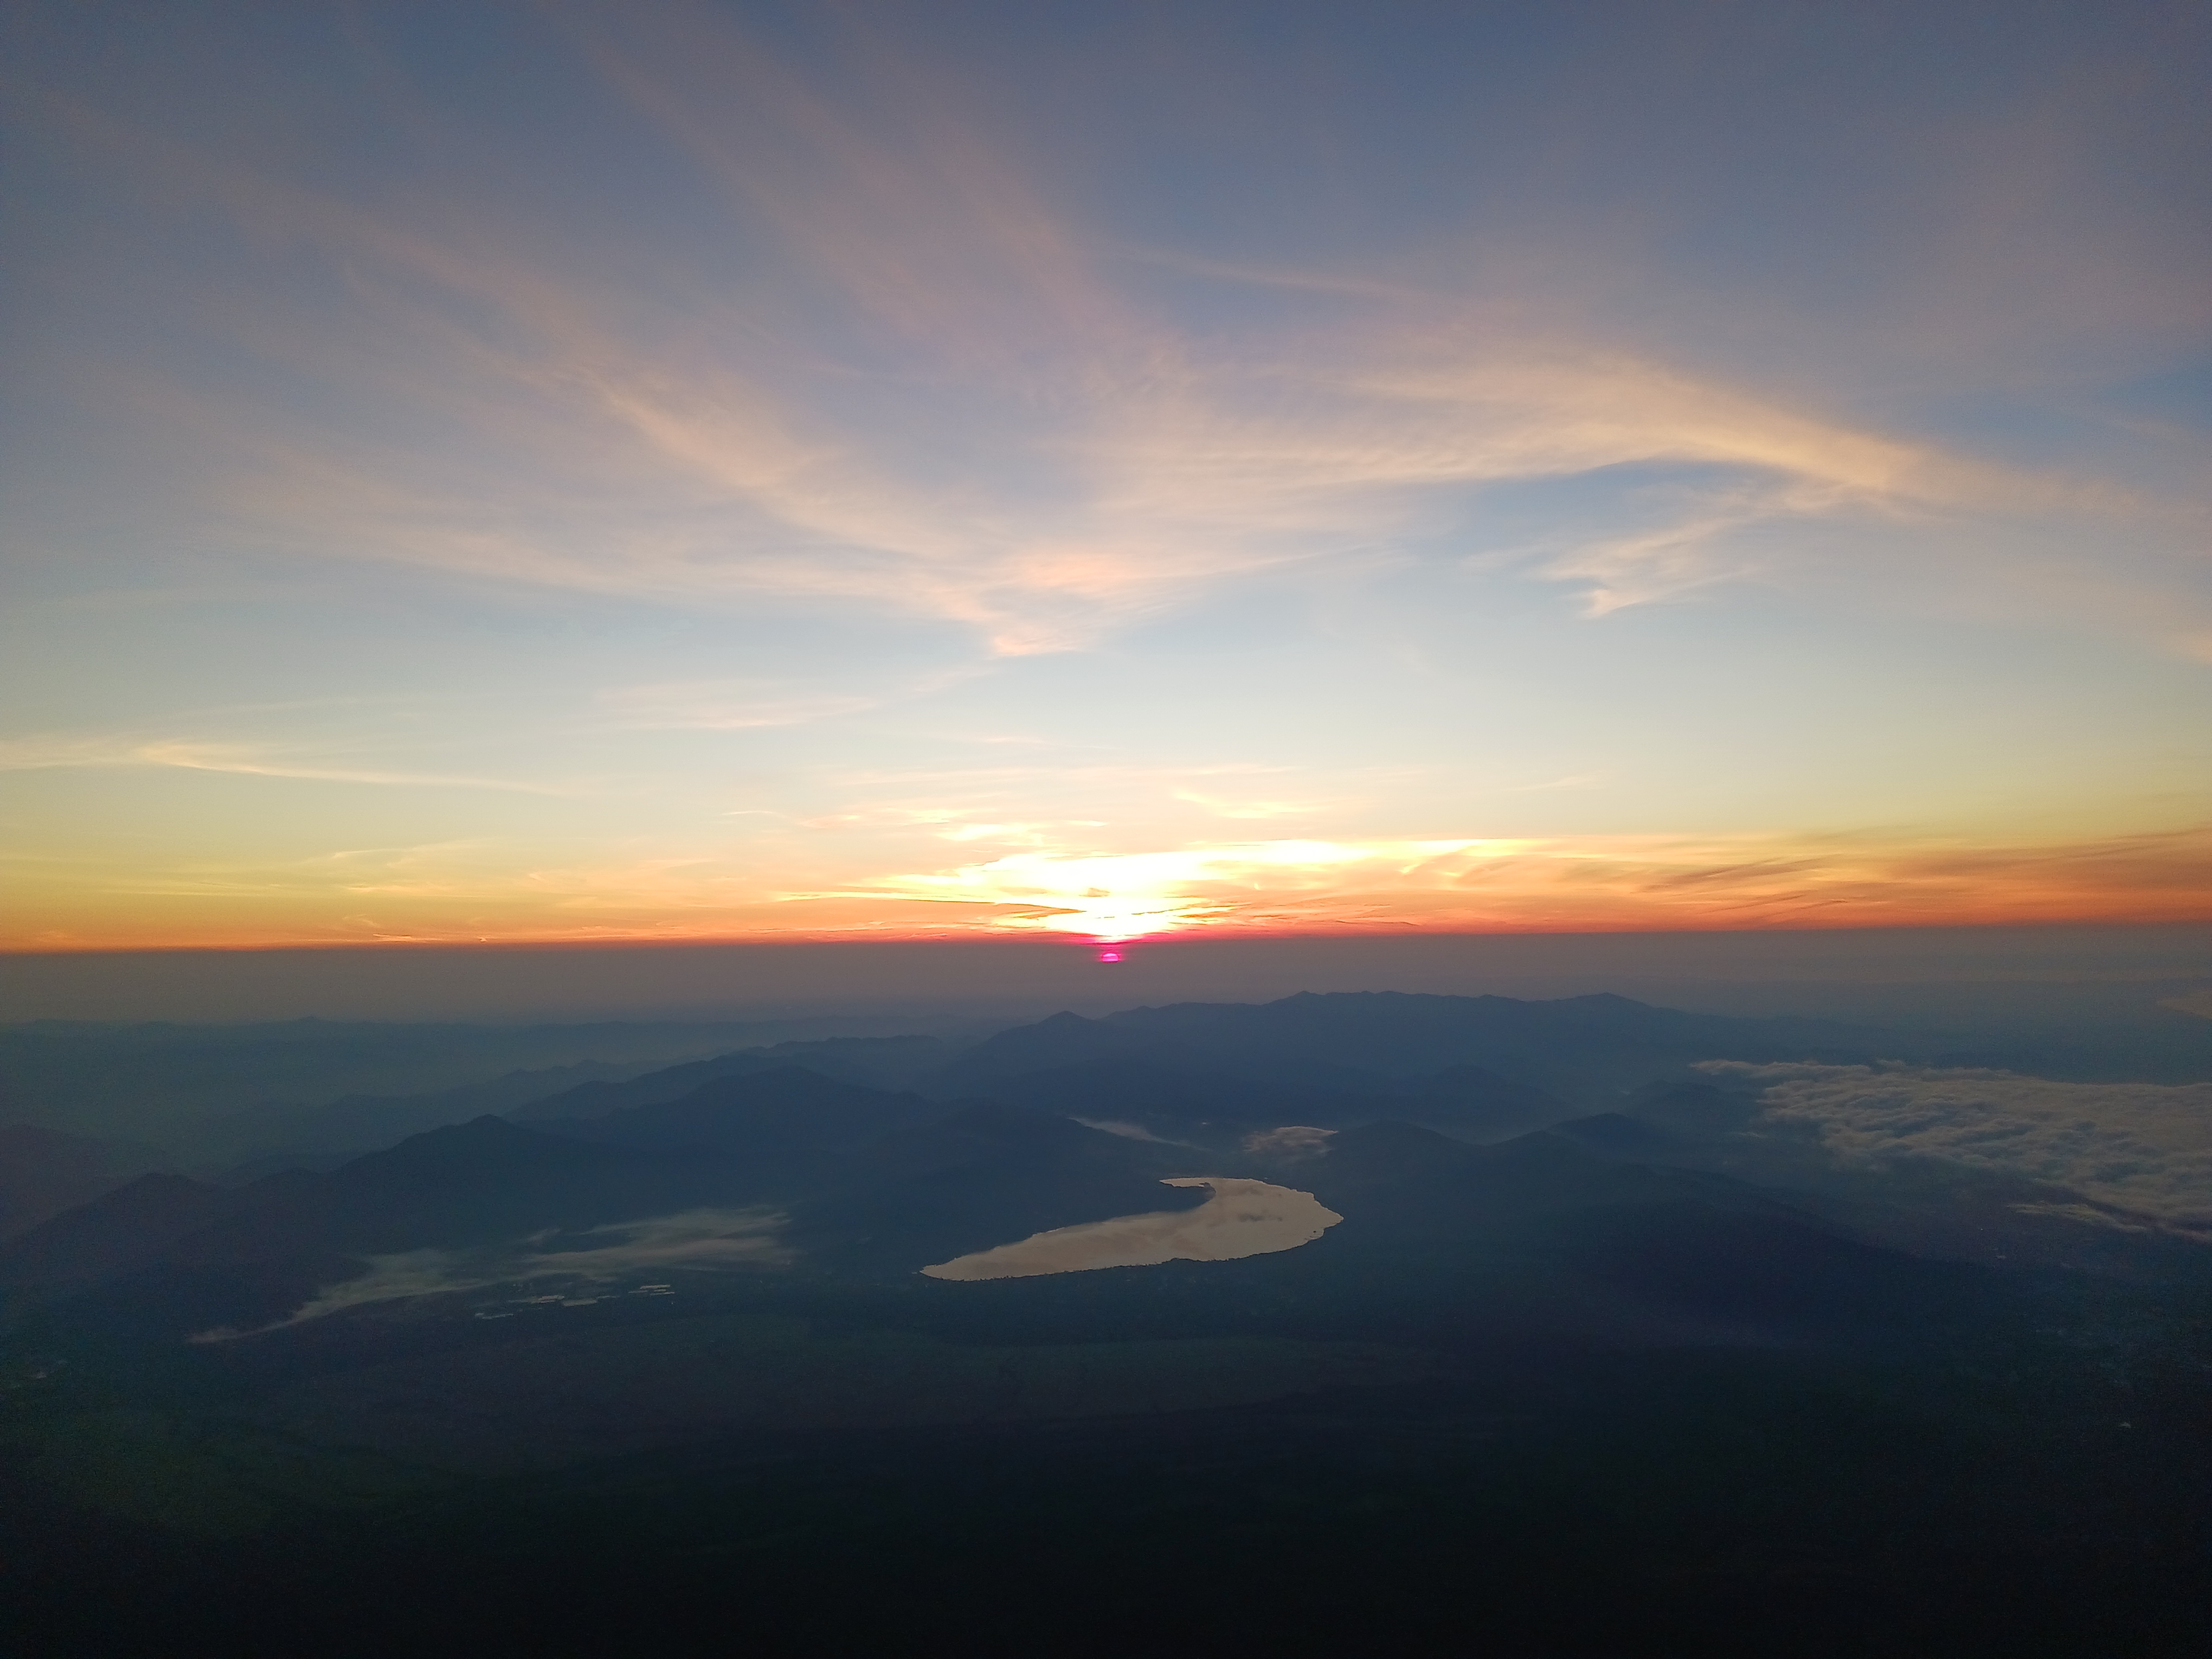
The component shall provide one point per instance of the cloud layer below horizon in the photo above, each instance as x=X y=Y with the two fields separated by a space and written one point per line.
x=701 y=1240
x=597 y=472
x=2143 y=1149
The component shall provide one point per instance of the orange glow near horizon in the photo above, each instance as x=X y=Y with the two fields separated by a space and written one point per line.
x=1591 y=884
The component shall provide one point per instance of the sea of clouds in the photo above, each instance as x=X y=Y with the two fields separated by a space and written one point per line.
x=710 y=1239
x=2144 y=1148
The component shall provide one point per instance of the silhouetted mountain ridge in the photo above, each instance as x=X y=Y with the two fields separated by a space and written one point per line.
x=782 y=1109
x=873 y=1062
x=44 y=1171
x=118 y=1232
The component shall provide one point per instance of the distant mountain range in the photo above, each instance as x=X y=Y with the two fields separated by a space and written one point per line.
x=1445 y=1129
x=1478 y=1067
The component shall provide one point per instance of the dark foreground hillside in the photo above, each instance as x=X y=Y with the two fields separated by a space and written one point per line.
x=1566 y=1503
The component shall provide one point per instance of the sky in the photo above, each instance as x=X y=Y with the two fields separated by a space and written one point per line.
x=533 y=473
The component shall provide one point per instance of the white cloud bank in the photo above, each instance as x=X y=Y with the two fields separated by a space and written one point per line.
x=710 y=1239
x=2142 y=1147
x=1290 y=1140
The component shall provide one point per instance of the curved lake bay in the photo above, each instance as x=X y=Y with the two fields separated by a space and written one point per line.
x=1243 y=1217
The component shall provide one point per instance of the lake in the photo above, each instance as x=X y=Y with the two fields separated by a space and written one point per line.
x=1243 y=1217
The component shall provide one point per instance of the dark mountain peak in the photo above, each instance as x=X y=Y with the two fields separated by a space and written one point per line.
x=1474 y=1102
x=1377 y=1000
x=788 y=1110
x=984 y=1129
x=1549 y=1171
x=155 y=1194
x=1434 y=1005
x=281 y=1185
x=1063 y=1040
x=1610 y=999
x=794 y=1083
x=1396 y=1013
x=489 y=1130
x=1541 y=1150
x=997 y=1122
x=1694 y=1108
x=461 y=1150
x=1391 y=1150
x=1480 y=1082
x=1454 y=1077
x=1174 y=1016
x=599 y=1098
x=1618 y=1135
x=44 y=1172
x=475 y=1183
x=1144 y=1090
x=887 y=1062
x=112 y=1233
x=1396 y=1133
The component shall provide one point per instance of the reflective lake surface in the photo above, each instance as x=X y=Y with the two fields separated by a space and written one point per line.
x=1243 y=1217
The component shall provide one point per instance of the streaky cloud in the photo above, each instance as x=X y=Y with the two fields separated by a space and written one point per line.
x=704 y=1240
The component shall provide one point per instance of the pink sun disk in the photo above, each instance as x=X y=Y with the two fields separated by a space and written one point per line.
x=1110 y=956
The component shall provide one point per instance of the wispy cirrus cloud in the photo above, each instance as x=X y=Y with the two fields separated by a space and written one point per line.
x=739 y=703
x=1007 y=437
x=725 y=706
x=49 y=753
